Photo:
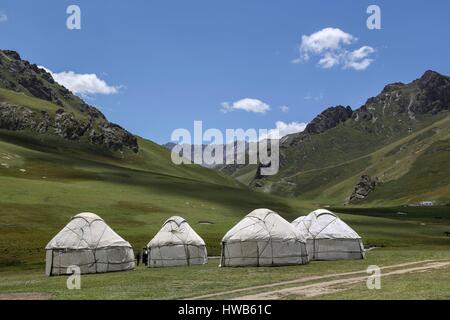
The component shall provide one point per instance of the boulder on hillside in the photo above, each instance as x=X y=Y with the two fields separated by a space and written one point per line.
x=67 y=126
x=15 y=118
x=44 y=123
x=114 y=137
x=364 y=187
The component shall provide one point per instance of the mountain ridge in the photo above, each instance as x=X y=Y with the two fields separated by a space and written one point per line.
x=43 y=119
x=65 y=114
x=339 y=135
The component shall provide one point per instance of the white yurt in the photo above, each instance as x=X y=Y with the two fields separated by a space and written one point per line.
x=263 y=238
x=90 y=244
x=328 y=237
x=176 y=244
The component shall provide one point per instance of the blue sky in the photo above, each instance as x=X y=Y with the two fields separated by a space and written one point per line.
x=167 y=63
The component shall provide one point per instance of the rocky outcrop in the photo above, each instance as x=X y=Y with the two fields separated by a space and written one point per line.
x=67 y=127
x=16 y=118
x=37 y=87
x=364 y=187
x=114 y=137
x=430 y=94
x=12 y=54
x=44 y=123
x=328 y=119
x=434 y=94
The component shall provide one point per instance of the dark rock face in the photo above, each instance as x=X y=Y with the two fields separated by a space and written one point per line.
x=44 y=124
x=365 y=186
x=328 y=119
x=434 y=94
x=114 y=137
x=392 y=87
x=16 y=118
x=109 y=135
x=67 y=127
x=36 y=87
x=12 y=54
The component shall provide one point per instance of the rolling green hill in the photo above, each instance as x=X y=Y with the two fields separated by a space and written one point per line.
x=400 y=139
x=42 y=189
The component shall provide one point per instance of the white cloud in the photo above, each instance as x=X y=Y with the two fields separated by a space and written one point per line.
x=324 y=40
x=313 y=98
x=283 y=129
x=330 y=45
x=84 y=84
x=284 y=109
x=358 y=59
x=3 y=17
x=329 y=60
x=247 y=104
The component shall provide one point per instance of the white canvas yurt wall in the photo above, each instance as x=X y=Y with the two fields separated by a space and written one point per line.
x=89 y=243
x=176 y=244
x=263 y=238
x=328 y=237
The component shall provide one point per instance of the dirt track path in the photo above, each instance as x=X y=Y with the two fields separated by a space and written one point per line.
x=25 y=296
x=331 y=286
x=323 y=287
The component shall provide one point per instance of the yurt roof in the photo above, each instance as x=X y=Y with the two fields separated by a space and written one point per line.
x=302 y=224
x=262 y=224
x=89 y=216
x=86 y=231
x=324 y=224
x=176 y=219
x=176 y=231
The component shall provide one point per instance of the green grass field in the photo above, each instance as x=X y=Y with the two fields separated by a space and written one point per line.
x=42 y=189
x=189 y=282
x=399 y=239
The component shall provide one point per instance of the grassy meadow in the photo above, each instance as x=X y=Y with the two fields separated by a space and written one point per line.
x=42 y=187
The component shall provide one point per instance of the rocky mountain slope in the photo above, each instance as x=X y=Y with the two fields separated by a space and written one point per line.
x=45 y=125
x=352 y=156
x=30 y=100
